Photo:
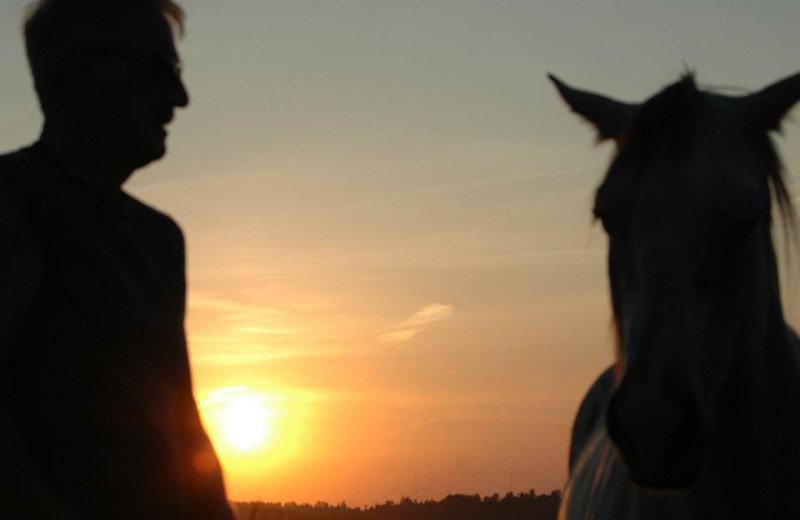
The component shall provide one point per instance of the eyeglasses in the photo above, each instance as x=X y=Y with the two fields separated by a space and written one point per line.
x=163 y=68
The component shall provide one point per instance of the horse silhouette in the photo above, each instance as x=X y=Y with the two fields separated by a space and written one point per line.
x=700 y=415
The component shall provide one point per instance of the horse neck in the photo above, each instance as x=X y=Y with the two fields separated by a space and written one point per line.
x=759 y=410
x=780 y=360
x=768 y=365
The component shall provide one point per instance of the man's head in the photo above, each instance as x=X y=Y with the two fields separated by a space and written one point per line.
x=108 y=71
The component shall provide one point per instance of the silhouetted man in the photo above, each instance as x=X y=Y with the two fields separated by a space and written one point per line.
x=97 y=417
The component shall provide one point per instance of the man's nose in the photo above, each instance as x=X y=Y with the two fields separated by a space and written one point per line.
x=176 y=93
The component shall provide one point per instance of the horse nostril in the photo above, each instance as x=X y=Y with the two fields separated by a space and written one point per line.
x=660 y=439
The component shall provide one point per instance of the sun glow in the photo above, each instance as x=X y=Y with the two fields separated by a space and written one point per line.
x=240 y=419
x=254 y=429
x=246 y=423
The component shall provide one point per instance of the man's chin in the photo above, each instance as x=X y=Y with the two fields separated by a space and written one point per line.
x=151 y=153
x=159 y=151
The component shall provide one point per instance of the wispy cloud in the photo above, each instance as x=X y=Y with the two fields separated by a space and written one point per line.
x=229 y=309
x=429 y=314
x=228 y=331
x=397 y=336
x=228 y=358
x=411 y=326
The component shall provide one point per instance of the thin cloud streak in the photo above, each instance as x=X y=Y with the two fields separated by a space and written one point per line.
x=230 y=309
x=410 y=327
x=397 y=336
x=429 y=314
x=248 y=358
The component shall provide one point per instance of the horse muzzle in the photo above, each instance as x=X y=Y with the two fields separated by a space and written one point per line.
x=661 y=438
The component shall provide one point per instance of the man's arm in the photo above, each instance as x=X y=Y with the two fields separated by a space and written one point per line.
x=24 y=493
x=203 y=470
x=209 y=501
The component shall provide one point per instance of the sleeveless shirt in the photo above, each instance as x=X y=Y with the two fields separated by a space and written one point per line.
x=97 y=379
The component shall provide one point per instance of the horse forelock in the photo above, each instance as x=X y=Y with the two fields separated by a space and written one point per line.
x=663 y=123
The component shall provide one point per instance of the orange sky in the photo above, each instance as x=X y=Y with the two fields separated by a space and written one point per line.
x=393 y=272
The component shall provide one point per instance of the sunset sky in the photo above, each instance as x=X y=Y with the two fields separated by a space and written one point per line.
x=395 y=285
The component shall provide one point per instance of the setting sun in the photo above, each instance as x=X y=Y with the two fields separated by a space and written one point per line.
x=246 y=423
x=255 y=429
x=240 y=419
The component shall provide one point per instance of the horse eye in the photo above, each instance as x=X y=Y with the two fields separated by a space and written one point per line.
x=613 y=219
x=613 y=203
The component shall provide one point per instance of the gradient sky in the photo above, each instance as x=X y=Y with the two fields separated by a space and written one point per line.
x=387 y=212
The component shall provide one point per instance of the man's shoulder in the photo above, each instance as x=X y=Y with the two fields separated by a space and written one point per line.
x=11 y=155
x=155 y=218
x=20 y=253
x=159 y=234
x=14 y=226
x=15 y=160
x=24 y=173
x=12 y=217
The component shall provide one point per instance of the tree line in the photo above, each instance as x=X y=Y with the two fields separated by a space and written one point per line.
x=520 y=506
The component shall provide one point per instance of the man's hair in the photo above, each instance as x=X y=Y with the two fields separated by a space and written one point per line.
x=57 y=30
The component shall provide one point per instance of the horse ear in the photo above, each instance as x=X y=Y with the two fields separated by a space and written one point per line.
x=611 y=118
x=764 y=110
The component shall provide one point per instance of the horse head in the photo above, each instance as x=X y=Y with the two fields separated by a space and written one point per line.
x=686 y=206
